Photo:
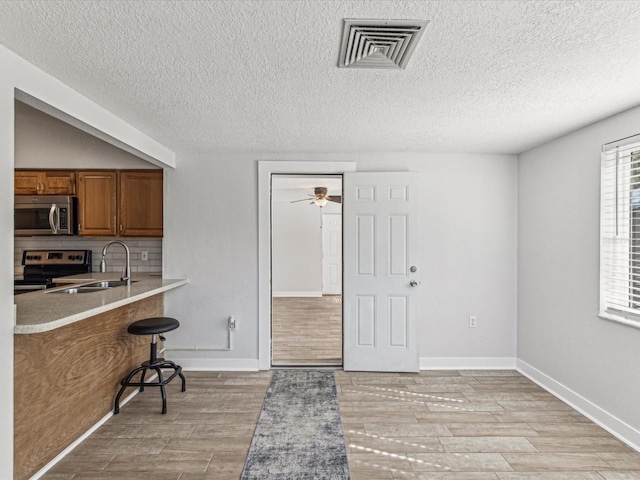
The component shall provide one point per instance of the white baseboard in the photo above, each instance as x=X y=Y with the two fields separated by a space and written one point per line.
x=467 y=363
x=616 y=427
x=297 y=294
x=217 y=364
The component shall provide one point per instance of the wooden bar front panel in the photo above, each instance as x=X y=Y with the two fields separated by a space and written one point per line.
x=66 y=380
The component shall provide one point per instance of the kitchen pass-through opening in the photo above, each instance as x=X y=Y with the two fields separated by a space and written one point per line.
x=306 y=270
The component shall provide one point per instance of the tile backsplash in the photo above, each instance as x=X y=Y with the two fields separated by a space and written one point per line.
x=115 y=257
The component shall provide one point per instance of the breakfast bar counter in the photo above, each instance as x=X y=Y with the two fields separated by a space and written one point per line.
x=71 y=351
x=47 y=310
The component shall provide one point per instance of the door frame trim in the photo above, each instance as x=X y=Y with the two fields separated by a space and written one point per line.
x=265 y=170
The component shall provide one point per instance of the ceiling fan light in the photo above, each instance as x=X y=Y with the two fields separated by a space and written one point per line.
x=321 y=202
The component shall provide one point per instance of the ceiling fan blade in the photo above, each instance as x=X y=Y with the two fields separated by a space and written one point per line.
x=335 y=198
x=296 y=201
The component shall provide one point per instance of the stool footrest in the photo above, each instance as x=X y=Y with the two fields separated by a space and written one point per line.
x=151 y=384
x=157 y=365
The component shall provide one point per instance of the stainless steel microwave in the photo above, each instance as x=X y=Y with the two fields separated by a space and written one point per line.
x=44 y=215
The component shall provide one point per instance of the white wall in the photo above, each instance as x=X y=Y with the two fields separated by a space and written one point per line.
x=18 y=74
x=210 y=237
x=42 y=141
x=559 y=333
x=468 y=266
x=6 y=273
x=296 y=249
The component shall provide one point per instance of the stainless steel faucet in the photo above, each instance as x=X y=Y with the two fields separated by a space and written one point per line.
x=126 y=273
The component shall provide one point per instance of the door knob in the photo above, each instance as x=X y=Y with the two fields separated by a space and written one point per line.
x=413 y=283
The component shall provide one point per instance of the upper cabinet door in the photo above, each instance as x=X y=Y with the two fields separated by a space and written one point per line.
x=97 y=207
x=59 y=182
x=141 y=197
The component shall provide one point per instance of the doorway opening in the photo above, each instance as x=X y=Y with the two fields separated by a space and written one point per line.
x=306 y=270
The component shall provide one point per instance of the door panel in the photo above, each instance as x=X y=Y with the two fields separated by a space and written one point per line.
x=397 y=245
x=366 y=245
x=381 y=240
x=398 y=321
x=365 y=321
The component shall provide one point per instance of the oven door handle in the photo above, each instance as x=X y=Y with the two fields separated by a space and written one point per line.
x=52 y=219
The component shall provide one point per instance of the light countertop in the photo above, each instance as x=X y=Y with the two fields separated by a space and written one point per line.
x=42 y=310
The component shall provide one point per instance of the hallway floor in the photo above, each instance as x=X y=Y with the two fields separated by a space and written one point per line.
x=307 y=331
x=436 y=425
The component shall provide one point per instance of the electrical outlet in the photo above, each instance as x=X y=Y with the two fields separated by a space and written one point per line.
x=232 y=322
x=144 y=256
x=473 y=321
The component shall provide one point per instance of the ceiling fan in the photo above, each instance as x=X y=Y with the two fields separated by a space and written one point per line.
x=320 y=197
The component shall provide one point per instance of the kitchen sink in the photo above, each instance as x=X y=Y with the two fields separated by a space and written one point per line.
x=109 y=284
x=76 y=290
x=93 y=287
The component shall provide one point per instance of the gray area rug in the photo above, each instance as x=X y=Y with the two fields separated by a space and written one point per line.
x=299 y=433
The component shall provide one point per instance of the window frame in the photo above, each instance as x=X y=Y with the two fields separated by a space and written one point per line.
x=620 y=232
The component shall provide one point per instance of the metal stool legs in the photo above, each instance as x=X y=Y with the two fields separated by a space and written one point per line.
x=156 y=364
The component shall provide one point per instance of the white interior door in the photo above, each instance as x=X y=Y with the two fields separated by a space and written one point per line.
x=331 y=254
x=381 y=238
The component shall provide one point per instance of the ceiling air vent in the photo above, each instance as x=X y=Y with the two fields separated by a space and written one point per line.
x=379 y=43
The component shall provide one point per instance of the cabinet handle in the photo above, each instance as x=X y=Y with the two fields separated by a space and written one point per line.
x=120 y=227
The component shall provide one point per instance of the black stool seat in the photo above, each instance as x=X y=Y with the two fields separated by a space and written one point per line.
x=152 y=326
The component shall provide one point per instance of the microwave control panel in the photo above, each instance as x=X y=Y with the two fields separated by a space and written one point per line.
x=64 y=218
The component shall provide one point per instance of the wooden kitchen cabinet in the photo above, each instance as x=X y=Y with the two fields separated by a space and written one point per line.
x=125 y=203
x=45 y=182
x=97 y=203
x=140 y=203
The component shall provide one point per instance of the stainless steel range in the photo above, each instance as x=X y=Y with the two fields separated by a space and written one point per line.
x=42 y=266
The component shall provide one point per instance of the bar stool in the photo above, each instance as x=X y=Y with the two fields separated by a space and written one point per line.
x=152 y=326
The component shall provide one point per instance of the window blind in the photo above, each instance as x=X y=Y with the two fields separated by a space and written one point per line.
x=620 y=229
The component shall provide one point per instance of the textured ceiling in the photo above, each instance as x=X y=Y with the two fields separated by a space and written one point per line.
x=262 y=76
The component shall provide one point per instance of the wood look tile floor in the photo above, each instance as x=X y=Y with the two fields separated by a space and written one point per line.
x=307 y=330
x=436 y=425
